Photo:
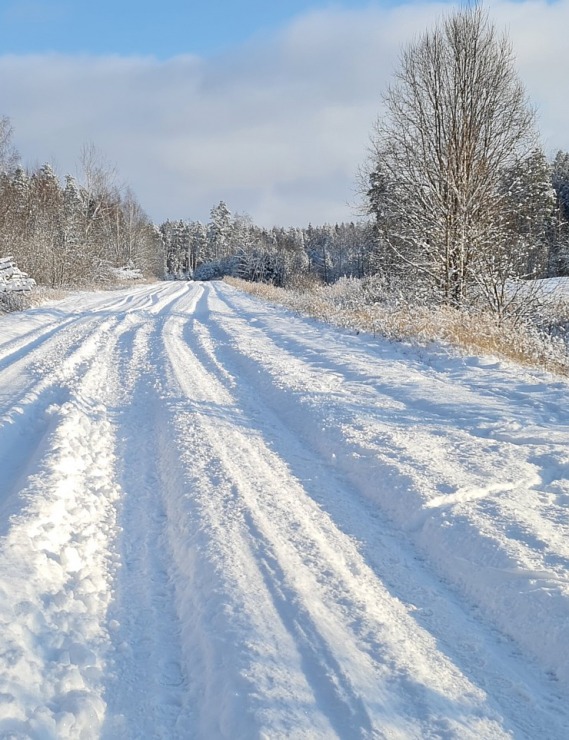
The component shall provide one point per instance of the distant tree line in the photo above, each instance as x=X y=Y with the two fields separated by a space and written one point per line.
x=72 y=233
x=232 y=245
x=535 y=219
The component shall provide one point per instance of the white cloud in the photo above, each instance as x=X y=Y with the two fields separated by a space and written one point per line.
x=538 y=31
x=276 y=128
x=33 y=11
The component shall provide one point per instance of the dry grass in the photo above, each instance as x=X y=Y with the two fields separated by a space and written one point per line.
x=10 y=302
x=479 y=333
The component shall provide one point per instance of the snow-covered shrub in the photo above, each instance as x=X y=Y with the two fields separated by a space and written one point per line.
x=208 y=271
x=13 y=302
x=105 y=273
x=37 y=297
x=128 y=272
x=303 y=281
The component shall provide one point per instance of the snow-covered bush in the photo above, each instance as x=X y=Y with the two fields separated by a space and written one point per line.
x=106 y=274
x=128 y=272
x=13 y=302
x=217 y=269
x=208 y=271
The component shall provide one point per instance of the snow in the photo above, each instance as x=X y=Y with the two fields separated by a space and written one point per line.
x=220 y=520
x=128 y=272
x=12 y=279
x=557 y=287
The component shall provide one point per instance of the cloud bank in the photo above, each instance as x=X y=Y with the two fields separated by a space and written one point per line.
x=276 y=128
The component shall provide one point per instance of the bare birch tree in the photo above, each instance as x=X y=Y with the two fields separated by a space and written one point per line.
x=456 y=118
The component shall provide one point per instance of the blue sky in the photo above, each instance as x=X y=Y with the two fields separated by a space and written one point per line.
x=266 y=105
x=163 y=28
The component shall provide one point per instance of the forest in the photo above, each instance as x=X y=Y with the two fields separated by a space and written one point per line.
x=73 y=233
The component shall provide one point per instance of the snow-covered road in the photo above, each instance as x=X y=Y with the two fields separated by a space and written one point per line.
x=218 y=520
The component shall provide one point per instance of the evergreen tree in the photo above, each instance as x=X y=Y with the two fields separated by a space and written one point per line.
x=218 y=232
x=529 y=208
x=559 y=255
x=46 y=210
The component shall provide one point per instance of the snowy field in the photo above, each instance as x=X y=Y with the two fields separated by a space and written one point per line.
x=218 y=520
x=557 y=287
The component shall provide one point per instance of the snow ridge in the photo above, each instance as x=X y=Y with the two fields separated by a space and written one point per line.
x=55 y=566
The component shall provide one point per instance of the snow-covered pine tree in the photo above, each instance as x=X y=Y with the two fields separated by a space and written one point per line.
x=218 y=232
x=559 y=258
x=48 y=263
x=15 y=223
x=74 y=248
x=198 y=244
x=529 y=208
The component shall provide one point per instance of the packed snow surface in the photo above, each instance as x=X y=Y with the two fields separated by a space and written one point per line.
x=219 y=520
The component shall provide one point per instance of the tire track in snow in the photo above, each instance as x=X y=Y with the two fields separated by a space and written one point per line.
x=21 y=347
x=476 y=648
x=215 y=572
x=408 y=457
x=44 y=365
x=517 y=418
x=146 y=685
x=339 y=631
x=44 y=372
x=58 y=557
x=50 y=322
x=26 y=420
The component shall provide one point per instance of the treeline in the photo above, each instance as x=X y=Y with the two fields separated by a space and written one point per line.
x=232 y=245
x=76 y=232
x=535 y=218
